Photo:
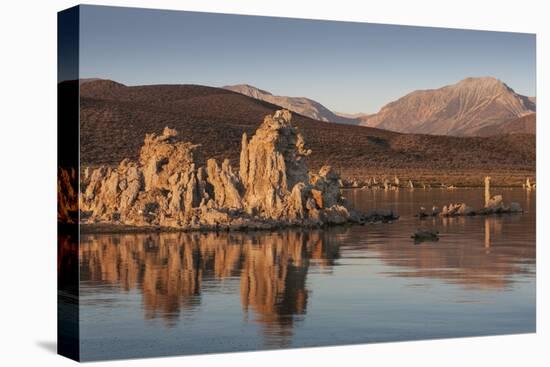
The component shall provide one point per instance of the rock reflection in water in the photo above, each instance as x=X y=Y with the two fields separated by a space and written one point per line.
x=170 y=268
x=235 y=291
x=476 y=253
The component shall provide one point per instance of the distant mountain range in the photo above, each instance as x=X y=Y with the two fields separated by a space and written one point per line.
x=304 y=106
x=355 y=116
x=472 y=107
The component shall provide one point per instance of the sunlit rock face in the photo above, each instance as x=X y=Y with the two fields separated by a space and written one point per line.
x=162 y=189
x=272 y=166
x=167 y=188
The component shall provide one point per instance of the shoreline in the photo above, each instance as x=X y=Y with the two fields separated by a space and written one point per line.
x=111 y=228
x=108 y=228
x=455 y=187
x=467 y=178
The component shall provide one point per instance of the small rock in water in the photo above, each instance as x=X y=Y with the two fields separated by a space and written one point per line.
x=425 y=235
x=423 y=213
x=515 y=207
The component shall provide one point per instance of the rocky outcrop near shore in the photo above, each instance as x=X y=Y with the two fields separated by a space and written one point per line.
x=495 y=205
x=167 y=188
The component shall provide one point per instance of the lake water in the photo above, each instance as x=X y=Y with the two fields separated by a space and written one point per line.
x=144 y=295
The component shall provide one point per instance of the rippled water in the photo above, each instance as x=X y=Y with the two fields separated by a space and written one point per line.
x=187 y=293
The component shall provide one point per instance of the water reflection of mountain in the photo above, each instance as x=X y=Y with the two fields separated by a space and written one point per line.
x=169 y=270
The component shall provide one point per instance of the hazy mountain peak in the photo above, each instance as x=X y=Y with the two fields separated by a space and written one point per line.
x=485 y=83
x=481 y=80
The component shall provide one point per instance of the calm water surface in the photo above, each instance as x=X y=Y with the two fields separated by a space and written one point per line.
x=187 y=293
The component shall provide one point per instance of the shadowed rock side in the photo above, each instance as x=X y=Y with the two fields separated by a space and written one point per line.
x=167 y=188
x=67 y=199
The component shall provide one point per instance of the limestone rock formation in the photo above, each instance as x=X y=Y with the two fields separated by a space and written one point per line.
x=167 y=188
x=162 y=189
x=272 y=163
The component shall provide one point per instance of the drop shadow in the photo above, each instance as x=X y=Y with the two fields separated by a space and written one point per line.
x=48 y=345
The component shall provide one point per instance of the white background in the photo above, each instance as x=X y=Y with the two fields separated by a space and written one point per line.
x=28 y=182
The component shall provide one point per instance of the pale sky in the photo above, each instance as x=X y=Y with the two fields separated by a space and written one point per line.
x=348 y=67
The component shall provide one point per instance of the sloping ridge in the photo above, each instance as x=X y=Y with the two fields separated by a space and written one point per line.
x=521 y=125
x=301 y=105
x=461 y=109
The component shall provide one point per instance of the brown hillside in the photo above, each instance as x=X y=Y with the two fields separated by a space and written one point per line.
x=115 y=119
